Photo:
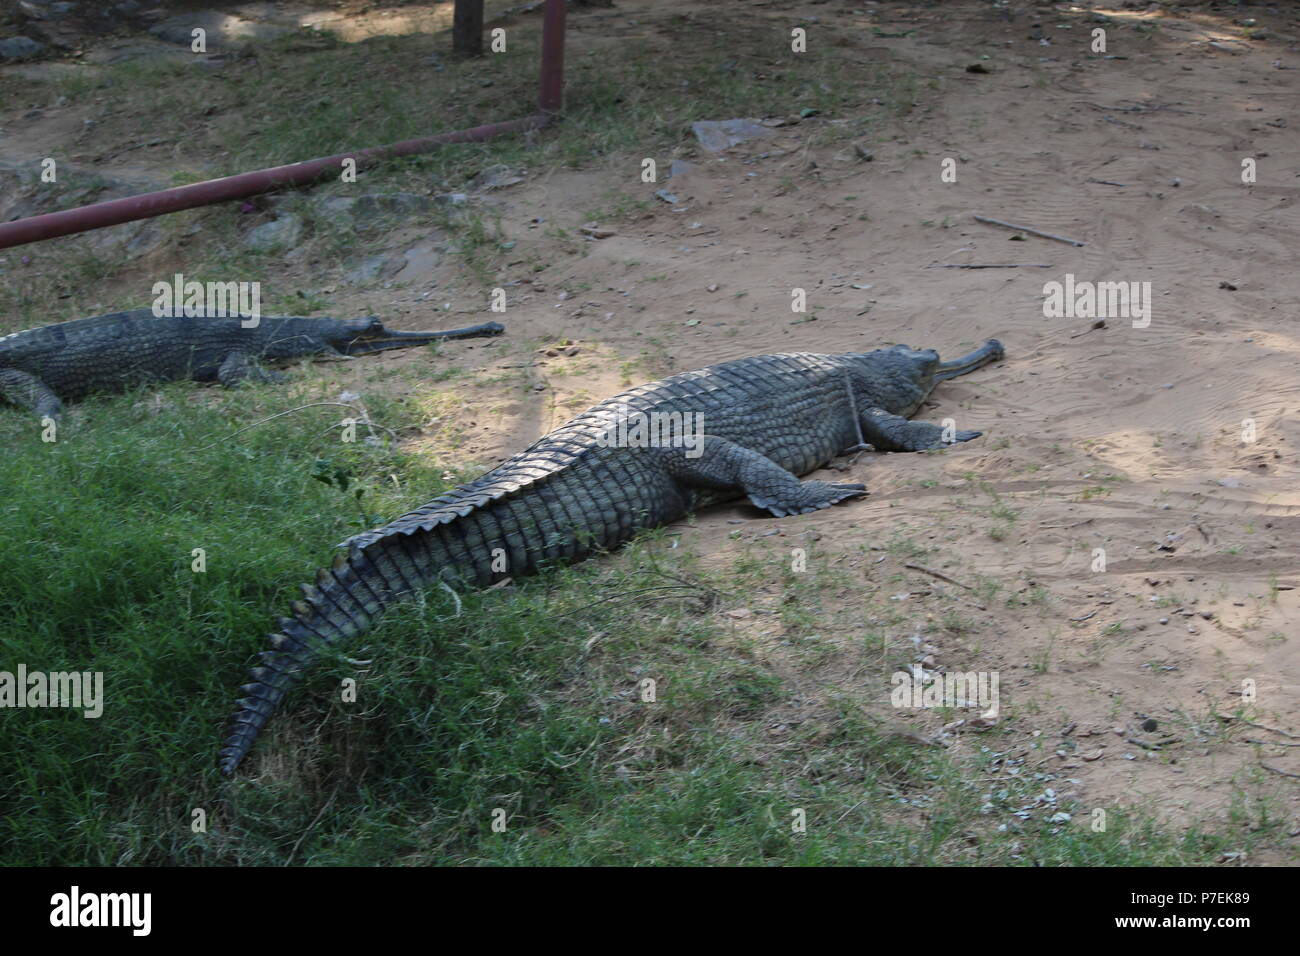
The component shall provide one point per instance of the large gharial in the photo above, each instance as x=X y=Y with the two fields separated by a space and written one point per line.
x=765 y=420
x=42 y=368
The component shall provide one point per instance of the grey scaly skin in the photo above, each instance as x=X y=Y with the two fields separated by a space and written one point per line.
x=766 y=419
x=42 y=368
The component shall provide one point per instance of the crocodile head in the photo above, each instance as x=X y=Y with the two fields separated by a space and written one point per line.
x=902 y=377
x=363 y=336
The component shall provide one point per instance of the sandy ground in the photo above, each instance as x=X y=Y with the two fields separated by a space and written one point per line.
x=1131 y=440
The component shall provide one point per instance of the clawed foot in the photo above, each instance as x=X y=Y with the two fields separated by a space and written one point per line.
x=813 y=496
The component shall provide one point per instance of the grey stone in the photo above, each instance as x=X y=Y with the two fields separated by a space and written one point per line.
x=375 y=267
x=374 y=208
x=20 y=48
x=498 y=177
x=283 y=231
x=47 y=9
x=223 y=30
x=717 y=135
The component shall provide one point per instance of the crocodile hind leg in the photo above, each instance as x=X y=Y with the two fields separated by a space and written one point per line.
x=890 y=432
x=29 y=392
x=723 y=464
x=240 y=367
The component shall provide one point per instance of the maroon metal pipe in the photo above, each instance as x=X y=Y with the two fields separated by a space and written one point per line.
x=243 y=185
x=551 y=93
x=147 y=205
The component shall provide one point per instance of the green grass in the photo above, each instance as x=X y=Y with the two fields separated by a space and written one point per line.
x=528 y=702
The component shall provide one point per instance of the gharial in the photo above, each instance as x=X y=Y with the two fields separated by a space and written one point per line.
x=41 y=368
x=765 y=420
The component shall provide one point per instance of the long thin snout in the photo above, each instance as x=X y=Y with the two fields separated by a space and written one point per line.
x=378 y=341
x=990 y=351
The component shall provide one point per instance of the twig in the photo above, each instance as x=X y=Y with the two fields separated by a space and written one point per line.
x=454 y=596
x=1284 y=773
x=1084 y=618
x=1266 y=743
x=1120 y=122
x=989 y=265
x=1271 y=730
x=1032 y=232
x=1106 y=182
x=361 y=421
x=936 y=574
x=622 y=594
x=1099 y=324
x=1142 y=109
x=311 y=826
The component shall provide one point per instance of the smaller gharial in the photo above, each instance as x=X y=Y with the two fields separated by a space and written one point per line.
x=42 y=368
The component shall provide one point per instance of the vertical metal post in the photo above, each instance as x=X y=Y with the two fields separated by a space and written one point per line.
x=467 y=27
x=551 y=93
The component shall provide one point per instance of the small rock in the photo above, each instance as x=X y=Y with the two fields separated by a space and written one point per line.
x=717 y=135
x=375 y=267
x=20 y=48
x=498 y=177
x=284 y=231
x=666 y=196
x=597 y=232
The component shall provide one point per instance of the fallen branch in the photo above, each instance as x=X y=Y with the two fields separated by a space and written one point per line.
x=936 y=574
x=1266 y=743
x=1284 y=773
x=989 y=265
x=1271 y=730
x=1032 y=232
x=1099 y=324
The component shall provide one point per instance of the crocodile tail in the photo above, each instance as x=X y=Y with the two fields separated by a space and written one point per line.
x=343 y=603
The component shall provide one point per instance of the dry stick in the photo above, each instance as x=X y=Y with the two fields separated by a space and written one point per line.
x=1282 y=772
x=1271 y=730
x=1084 y=618
x=298 y=409
x=1106 y=182
x=936 y=574
x=1268 y=743
x=311 y=826
x=1032 y=232
x=989 y=265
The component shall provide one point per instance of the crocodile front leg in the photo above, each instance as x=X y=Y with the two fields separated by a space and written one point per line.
x=240 y=367
x=30 y=392
x=724 y=465
x=890 y=432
